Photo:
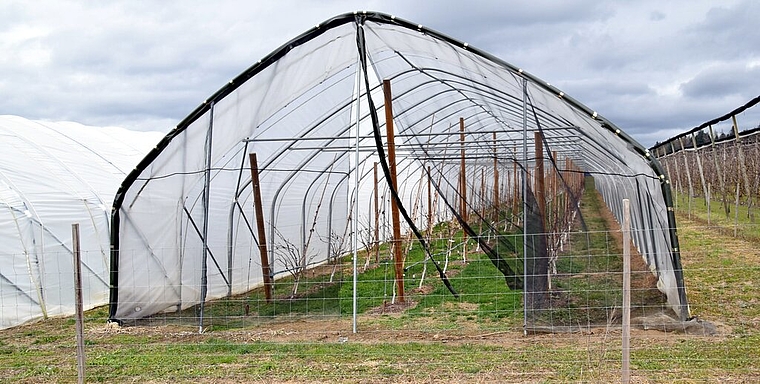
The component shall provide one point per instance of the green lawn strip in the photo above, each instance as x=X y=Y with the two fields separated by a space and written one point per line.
x=721 y=276
x=137 y=358
x=721 y=282
x=745 y=225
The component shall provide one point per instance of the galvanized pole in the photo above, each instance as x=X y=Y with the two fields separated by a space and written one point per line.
x=355 y=224
x=525 y=203
x=206 y=209
x=626 y=292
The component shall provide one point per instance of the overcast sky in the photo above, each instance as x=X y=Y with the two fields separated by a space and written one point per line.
x=654 y=68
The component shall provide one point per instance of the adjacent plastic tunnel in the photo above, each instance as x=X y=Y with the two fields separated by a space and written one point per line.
x=53 y=175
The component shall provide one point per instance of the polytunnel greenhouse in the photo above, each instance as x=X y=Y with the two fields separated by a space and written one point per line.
x=53 y=175
x=367 y=118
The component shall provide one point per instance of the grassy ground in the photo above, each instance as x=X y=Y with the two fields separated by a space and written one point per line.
x=436 y=338
x=739 y=221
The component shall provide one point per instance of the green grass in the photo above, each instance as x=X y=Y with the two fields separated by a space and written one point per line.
x=475 y=337
x=476 y=282
x=745 y=224
x=722 y=271
x=213 y=358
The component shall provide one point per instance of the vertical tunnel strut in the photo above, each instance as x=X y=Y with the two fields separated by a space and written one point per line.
x=206 y=206
x=525 y=200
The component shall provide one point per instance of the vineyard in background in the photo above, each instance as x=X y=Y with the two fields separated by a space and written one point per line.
x=717 y=164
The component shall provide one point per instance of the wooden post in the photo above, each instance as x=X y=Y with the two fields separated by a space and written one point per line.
x=429 y=205
x=540 y=185
x=495 y=182
x=688 y=174
x=515 y=193
x=742 y=164
x=397 y=256
x=263 y=253
x=699 y=166
x=483 y=193
x=569 y=192
x=79 y=308
x=377 y=218
x=463 y=188
x=709 y=209
x=462 y=175
x=736 y=211
x=554 y=190
x=626 y=374
x=678 y=171
x=721 y=177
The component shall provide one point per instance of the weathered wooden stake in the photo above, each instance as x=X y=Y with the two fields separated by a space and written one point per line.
x=699 y=166
x=540 y=184
x=495 y=182
x=462 y=175
x=516 y=193
x=688 y=174
x=377 y=218
x=429 y=205
x=721 y=176
x=263 y=252
x=398 y=257
x=79 y=308
x=736 y=212
x=742 y=164
x=463 y=188
x=708 y=204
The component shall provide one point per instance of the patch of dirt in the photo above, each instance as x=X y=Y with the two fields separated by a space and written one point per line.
x=392 y=308
x=339 y=330
x=423 y=290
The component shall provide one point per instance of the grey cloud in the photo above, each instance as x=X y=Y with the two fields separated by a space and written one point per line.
x=726 y=32
x=657 y=16
x=138 y=64
x=720 y=81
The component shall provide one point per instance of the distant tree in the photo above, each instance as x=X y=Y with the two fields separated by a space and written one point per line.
x=702 y=138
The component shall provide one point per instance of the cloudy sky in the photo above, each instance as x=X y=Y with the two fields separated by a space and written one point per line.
x=654 y=68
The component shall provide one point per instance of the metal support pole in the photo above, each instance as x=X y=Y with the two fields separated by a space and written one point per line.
x=355 y=214
x=525 y=202
x=206 y=209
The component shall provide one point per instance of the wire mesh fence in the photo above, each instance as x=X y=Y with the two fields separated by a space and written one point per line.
x=432 y=336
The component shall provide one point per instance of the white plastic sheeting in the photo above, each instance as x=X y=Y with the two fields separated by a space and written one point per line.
x=184 y=227
x=52 y=175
